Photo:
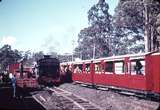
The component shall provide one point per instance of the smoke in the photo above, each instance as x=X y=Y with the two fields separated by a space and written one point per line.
x=50 y=44
x=60 y=39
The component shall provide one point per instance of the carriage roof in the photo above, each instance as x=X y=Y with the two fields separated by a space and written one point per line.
x=113 y=58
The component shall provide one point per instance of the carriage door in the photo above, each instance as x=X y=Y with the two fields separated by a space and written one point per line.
x=153 y=72
x=149 y=72
x=127 y=66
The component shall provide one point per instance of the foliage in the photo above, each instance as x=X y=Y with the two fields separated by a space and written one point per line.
x=8 y=56
x=129 y=26
x=158 y=23
x=129 y=22
x=129 y=16
x=113 y=35
x=38 y=55
x=100 y=19
x=97 y=34
x=65 y=58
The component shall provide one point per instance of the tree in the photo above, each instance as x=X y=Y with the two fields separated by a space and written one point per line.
x=121 y=34
x=100 y=19
x=94 y=40
x=85 y=41
x=8 y=56
x=158 y=24
x=129 y=26
x=157 y=38
x=38 y=55
x=130 y=21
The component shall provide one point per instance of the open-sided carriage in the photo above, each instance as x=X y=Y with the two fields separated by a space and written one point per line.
x=24 y=76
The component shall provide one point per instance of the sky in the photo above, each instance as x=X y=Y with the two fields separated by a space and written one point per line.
x=44 y=25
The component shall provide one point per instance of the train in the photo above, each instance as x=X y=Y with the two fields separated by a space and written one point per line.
x=138 y=73
x=46 y=72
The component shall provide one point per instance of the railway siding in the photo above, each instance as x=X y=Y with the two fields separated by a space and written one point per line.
x=76 y=97
x=56 y=98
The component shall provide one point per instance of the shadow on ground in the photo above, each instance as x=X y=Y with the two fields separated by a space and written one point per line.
x=7 y=102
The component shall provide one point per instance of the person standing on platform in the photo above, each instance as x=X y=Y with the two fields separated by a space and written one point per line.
x=13 y=81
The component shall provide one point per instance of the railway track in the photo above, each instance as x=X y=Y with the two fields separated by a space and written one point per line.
x=56 y=98
x=109 y=100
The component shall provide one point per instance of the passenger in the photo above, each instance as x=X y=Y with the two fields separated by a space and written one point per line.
x=10 y=75
x=1 y=78
x=70 y=68
x=88 y=69
x=68 y=76
x=65 y=70
x=33 y=72
x=36 y=71
x=77 y=70
x=29 y=74
x=5 y=77
x=96 y=68
x=138 y=67
x=62 y=72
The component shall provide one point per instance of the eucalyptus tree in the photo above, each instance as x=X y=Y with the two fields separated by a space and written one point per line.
x=94 y=41
x=131 y=22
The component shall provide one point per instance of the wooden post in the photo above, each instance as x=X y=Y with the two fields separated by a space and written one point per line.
x=92 y=71
x=94 y=50
x=147 y=32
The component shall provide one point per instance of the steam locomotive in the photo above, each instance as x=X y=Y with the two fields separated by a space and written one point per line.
x=48 y=71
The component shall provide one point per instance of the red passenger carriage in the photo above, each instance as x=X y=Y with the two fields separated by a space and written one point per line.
x=121 y=72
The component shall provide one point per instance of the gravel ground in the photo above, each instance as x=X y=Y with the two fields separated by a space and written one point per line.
x=50 y=101
x=109 y=100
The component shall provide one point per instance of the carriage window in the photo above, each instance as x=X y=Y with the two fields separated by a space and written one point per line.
x=109 y=67
x=119 y=67
x=138 y=67
x=78 y=68
x=97 y=67
x=87 y=67
x=62 y=68
x=102 y=69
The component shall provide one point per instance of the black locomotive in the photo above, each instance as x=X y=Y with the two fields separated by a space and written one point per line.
x=48 y=71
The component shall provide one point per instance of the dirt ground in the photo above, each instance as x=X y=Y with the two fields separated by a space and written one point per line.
x=109 y=100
